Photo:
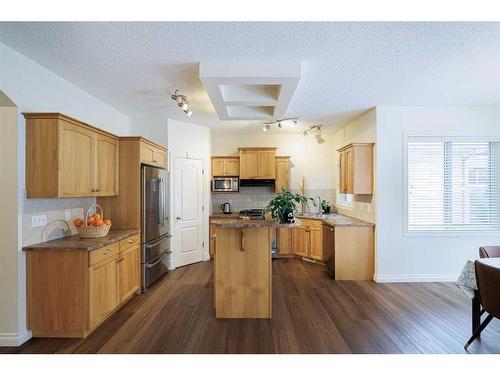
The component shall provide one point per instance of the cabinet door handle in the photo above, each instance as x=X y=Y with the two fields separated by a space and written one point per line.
x=106 y=252
x=130 y=241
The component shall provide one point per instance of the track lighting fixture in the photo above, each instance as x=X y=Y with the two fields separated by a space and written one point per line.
x=181 y=102
x=279 y=123
x=317 y=130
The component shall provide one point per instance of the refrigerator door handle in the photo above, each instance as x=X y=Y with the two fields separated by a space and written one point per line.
x=151 y=245
x=162 y=192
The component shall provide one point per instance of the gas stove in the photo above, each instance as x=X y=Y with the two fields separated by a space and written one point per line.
x=253 y=214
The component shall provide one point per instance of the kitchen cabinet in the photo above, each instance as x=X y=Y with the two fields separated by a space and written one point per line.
x=225 y=166
x=284 y=241
x=125 y=209
x=152 y=154
x=356 y=168
x=129 y=272
x=69 y=293
x=300 y=241
x=107 y=165
x=282 y=173
x=68 y=158
x=212 y=239
x=307 y=239
x=257 y=163
x=354 y=255
x=103 y=290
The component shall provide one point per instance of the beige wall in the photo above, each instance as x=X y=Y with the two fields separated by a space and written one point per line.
x=361 y=130
x=312 y=161
x=9 y=220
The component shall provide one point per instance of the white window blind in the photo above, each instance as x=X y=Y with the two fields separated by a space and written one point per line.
x=453 y=186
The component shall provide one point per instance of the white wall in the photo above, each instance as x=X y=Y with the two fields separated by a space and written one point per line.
x=401 y=258
x=361 y=130
x=35 y=89
x=154 y=129
x=193 y=141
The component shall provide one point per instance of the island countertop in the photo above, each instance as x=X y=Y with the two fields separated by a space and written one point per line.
x=75 y=243
x=239 y=223
x=336 y=220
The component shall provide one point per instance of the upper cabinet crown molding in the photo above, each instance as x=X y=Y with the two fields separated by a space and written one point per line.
x=356 y=168
x=69 y=158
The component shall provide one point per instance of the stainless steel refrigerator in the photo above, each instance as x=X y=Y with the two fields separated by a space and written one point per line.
x=155 y=234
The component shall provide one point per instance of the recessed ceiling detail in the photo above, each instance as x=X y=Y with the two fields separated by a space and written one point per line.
x=250 y=91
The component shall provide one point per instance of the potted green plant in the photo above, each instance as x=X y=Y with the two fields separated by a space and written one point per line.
x=326 y=206
x=284 y=203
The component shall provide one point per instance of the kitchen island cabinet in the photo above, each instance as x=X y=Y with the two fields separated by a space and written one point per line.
x=243 y=268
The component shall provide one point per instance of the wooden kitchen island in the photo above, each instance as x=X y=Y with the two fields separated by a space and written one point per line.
x=242 y=267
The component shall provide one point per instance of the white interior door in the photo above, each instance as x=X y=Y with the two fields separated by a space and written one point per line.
x=188 y=210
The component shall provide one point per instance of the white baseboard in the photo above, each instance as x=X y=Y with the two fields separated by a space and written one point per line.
x=171 y=265
x=14 y=339
x=416 y=278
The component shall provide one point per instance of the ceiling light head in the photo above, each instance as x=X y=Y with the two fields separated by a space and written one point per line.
x=266 y=128
x=279 y=124
x=294 y=122
x=182 y=102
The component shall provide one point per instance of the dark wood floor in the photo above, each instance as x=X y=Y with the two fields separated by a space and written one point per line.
x=311 y=314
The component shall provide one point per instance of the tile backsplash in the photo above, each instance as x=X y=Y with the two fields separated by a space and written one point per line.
x=55 y=210
x=259 y=196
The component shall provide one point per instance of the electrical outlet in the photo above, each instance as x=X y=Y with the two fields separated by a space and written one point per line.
x=38 y=221
x=67 y=215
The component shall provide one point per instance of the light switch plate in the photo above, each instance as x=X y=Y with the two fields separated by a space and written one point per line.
x=38 y=221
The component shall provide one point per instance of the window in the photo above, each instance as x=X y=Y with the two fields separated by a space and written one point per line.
x=453 y=186
x=344 y=199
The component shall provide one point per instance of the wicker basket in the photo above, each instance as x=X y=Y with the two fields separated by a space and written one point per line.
x=93 y=232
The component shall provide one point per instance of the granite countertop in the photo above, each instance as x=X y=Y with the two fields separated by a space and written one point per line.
x=329 y=219
x=239 y=223
x=75 y=243
x=223 y=215
x=336 y=220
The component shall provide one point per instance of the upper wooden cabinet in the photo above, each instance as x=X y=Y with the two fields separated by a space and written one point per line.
x=356 y=168
x=282 y=173
x=125 y=209
x=225 y=166
x=68 y=158
x=257 y=163
x=152 y=154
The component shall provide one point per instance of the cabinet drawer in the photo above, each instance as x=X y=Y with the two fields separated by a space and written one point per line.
x=311 y=223
x=95 y=256
x=130 y=241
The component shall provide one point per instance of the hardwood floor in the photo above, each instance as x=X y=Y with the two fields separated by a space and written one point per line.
x=311 y=314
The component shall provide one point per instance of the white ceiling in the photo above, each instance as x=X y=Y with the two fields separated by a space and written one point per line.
x=347 y=67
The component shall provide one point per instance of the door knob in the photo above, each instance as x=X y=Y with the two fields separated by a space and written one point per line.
x=178 y=218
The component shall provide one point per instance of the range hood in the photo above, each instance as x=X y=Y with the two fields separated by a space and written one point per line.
x=257 y=183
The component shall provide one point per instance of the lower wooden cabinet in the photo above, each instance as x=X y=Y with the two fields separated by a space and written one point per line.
x=307 y=239
x=69 y=293
x=129 y=272
x=285 y=241
x=103 y=290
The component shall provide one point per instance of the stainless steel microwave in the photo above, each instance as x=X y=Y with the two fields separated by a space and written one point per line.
x=225 y=184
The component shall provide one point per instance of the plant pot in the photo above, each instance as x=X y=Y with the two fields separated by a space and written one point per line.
x=286 y=216
x=327 y=210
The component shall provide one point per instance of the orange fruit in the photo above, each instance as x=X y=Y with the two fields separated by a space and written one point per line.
x=98 y=223
x=97 y=216
x=78 y=222
x=107 y=221
x=91 y=219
